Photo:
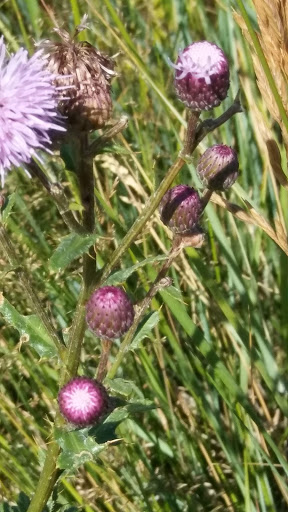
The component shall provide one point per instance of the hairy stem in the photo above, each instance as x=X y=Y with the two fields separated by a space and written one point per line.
x=48 y=478
x=76 y=335
x=195 y=133
x=155 y=199
x=49 y=474
x=159 y=283
x=102 y=366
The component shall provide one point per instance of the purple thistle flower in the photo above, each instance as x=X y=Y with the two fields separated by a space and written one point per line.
x=83 y=401
x=201 y=76
x=28 y=107
x=109 y=312
x=180 y=209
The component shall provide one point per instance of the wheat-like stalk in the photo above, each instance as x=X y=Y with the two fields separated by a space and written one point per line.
x=273 y=36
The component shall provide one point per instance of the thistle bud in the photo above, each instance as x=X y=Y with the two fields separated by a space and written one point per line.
x=86 y=96
x=180 y=209
x=82 y=401
x=202 y=76
x=109 y=312
x=218 y=167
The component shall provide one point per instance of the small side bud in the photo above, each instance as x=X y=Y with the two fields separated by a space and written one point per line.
x=180 y=209
x=218 y=167
x=201 y=76
x=109 y=312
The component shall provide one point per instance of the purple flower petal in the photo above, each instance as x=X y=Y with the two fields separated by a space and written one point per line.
x=28 y=107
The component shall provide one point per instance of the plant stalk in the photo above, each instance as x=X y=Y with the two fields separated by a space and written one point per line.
x=159 y=283
x=102 y=366
x=194 y=135
x=49 y=474
x=155 y=199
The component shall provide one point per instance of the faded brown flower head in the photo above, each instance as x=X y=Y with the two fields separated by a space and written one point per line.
x=87 y=73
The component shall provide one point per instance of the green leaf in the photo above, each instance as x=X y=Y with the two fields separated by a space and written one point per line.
x=145 y=329
x=113 y=215
x=34 y=15
x=122 y=275
x=23 y=503
x=29 y=327
x=8 y=206
x=70 y=248
x=105 y=432
x=77 y=447
x=140 y=406
x=121 y=386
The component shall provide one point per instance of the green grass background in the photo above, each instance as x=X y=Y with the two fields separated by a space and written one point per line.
x=215 y=365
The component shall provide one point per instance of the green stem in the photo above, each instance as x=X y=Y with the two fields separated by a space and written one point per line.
x=25 y=279
x=48 y=478
x=76 y=335
x=49 y=474
x=155 y=199
x=194 y=135
x=102 y=366
x=159 y=283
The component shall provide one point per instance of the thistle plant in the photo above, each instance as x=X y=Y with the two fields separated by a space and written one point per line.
x=58 y=99
x=77 y=82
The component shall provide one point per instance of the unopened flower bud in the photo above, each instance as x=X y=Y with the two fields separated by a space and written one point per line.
x=202 y=76
x=82 y=401
x=218 y=167
x=86 y=96
x=180 y=209
x=109 y=312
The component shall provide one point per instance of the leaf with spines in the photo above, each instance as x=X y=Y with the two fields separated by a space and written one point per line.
x=145 y=329
x=30 y=328
x=70 y=248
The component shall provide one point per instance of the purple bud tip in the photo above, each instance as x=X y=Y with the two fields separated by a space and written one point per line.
x=82 y=401
x=109 y=312
x=180 y=209
x=202 y=76
x=218 y=167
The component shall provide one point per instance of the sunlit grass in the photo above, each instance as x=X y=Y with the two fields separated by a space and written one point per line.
x=216 y=364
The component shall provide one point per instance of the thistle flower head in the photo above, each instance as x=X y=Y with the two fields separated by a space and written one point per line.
x=218 y=167
x=28 y=107
x=82 y=401
x=201 y=76
x=109 y=312
x=180 y=209
x=87 y=72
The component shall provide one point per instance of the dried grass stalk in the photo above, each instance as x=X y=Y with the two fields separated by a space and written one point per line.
x=272 y=16
x=254 y=218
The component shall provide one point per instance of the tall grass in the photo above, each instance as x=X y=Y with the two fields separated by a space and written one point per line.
x=215 y=365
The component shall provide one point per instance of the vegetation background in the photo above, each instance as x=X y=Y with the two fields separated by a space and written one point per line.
x=214 y=362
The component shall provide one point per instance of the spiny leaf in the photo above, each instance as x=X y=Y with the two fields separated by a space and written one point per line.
x=70 y=248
